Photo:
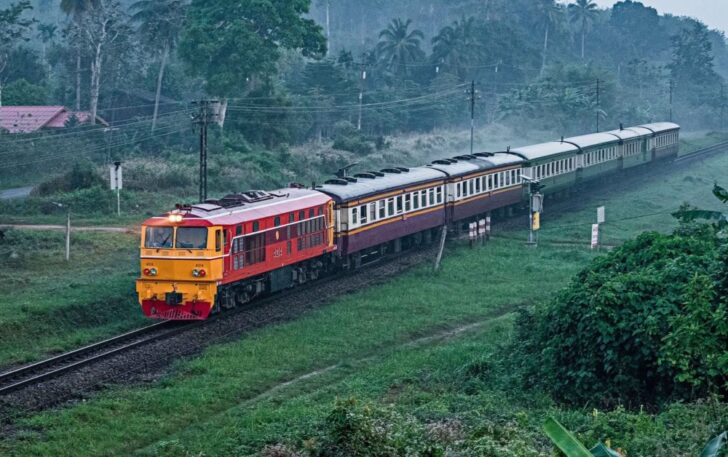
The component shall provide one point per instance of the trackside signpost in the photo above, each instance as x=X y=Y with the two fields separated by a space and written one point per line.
x=601 y=218
x=115 y=180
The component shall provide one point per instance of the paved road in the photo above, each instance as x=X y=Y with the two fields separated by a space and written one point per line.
x=18 y=192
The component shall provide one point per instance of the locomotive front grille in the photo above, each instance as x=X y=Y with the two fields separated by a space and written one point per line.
x=173 y=298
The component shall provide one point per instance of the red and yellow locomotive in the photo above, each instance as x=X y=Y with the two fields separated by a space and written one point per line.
x=200 y=258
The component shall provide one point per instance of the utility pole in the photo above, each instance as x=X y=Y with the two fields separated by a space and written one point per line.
x=209 y=111
x=598 y=87
x=672 y=87
x=472 y=94
x=361 y=95
x=722 y=105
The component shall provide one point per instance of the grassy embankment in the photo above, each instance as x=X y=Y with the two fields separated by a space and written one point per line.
x=48 y=304
x=373 y=346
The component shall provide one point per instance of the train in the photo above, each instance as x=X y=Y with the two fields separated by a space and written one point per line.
x=199 y=259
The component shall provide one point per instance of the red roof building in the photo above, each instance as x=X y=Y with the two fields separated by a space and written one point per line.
x=27 y=119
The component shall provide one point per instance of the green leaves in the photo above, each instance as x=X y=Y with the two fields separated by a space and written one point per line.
x=564 y=440
x=714 y=446
x=233 y=43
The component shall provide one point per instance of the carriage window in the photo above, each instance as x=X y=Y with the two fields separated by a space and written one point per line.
x=477 y=185
x=439 y=194
x=382 y=210
x=192 y=238
x=416 y=200
x=354 y=216
x=158 y=237
x=372 y=211
x=238 y=229
x=256 y=226
x=390 y=207
x=277 y=221
x=408 y=202
x=459 y=191
x=423 y=198
x=400 y=206
x=320 y=210
x=301 y=215
x=311 y=213
x=292 y=217
x=363 y=213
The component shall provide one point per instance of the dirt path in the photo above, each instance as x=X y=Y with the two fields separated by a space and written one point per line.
x=73 y=229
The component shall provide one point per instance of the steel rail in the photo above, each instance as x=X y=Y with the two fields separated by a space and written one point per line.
x=45 y=369
x=702 y=153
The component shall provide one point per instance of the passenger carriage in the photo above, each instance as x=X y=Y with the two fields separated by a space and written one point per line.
x=665 y=139
x=598 y=155
x=479 y=183
x=553 y=164
x=378 y=210
x=635 y=146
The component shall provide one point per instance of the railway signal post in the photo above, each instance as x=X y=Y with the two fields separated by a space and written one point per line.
x=115 y=180
x=535 y=202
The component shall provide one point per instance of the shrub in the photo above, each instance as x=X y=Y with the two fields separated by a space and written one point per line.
x=81 y=176
x=643 y=324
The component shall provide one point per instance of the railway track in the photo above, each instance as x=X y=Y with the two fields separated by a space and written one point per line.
x=37 y=372
x=703 y=153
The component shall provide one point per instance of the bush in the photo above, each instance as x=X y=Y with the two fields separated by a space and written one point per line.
x=644 y=324
x=348 y=138
x=81 y=176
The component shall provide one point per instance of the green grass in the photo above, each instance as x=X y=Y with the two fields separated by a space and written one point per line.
x=48 y=304
x=227 y=402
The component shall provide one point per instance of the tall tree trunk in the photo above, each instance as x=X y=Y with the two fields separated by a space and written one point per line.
x=583 y=41
x=328 y=27
x=163 y=64
x=95 y=81
x=545 y=49
x=78 y=78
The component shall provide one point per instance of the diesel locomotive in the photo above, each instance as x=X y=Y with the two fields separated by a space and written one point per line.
x=198 y=259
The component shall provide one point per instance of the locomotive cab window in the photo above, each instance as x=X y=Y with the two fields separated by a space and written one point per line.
x=158 y=237
x=218 y=240
x=191 y=238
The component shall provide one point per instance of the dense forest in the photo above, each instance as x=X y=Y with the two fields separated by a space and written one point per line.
x=350 y=73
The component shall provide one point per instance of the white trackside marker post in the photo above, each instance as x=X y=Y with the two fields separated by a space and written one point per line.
x=595 y=236
x=115 y=180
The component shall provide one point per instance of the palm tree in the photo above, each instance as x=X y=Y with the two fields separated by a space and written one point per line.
x=76 y=9
x=550 y=15
x=398 y=47
x=160 y=22
x=583 y=12
x=46 y=34
x=457 y=46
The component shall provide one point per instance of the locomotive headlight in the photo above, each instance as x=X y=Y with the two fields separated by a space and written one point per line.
x=199 y=273
x=175 y=218
x=152 y=272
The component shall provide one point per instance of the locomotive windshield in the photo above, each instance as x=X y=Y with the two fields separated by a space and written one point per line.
x=158 y=237
x=191 y=238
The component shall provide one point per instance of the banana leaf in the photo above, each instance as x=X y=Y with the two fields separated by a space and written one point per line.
x=714 y=446
x=601 y=450
x=564 y=440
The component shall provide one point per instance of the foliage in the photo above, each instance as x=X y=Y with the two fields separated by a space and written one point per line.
x=643 y=324
x=81 y=176
x=21 y=92
x=399 y=47
x=230 y=43
x=14 y=27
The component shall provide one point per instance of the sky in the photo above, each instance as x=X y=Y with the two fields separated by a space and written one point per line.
x=714 y=13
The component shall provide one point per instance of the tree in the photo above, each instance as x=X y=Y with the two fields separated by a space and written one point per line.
x=399 y=47
x=100 y=28
x=583 y=13
x=77 y=9
x=231 y=43
x=458 y=47
x=549 y=15
x=692 y=61
x=13 y=28
x=46 y=34
x=160 y=22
